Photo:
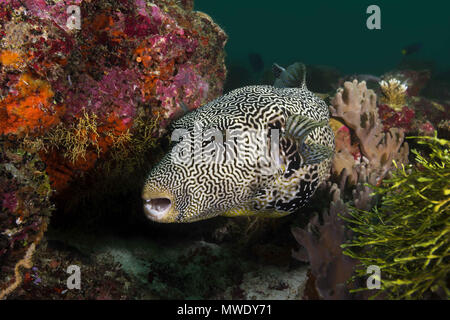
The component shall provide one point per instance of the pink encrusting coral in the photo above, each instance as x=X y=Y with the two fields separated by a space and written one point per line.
x=55 y=11
x=116 y=91
x=187 y=87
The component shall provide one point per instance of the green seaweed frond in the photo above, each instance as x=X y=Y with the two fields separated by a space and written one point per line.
x=408 y=236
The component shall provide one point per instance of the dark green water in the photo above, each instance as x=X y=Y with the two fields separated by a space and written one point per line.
x=333 y=32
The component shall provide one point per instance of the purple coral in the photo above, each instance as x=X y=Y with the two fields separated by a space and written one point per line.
x=139 y=26
x=329 y=266
x=9 y=201
x=117 y=90
x=186 y=87
x=144 y=24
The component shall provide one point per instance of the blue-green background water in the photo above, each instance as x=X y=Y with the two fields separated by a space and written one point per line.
x=332 y=32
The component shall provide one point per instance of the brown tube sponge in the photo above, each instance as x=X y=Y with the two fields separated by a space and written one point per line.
x=356 y=106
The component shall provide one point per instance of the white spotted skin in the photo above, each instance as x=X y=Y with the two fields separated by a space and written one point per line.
x=204 y=190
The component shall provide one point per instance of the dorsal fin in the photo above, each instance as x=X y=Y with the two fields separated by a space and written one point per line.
x=277 y=70
x=292 y=77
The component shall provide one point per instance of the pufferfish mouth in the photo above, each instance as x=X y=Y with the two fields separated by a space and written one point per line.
x=157 y=208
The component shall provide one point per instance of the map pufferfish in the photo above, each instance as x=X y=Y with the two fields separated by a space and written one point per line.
x=270 y=176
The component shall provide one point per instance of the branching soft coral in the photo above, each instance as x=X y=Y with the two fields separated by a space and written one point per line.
x=76 y=141
x=321 y=242
x=82 y=144
x=128 y=149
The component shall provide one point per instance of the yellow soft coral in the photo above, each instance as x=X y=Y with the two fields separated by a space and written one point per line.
x=77 y=139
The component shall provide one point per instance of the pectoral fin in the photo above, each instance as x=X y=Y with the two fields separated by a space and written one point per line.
x=299 y=126
x=314 y=153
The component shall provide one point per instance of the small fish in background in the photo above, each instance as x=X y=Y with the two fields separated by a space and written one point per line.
x=367 y=78
x=237 y=76
x=246 y=182
x=256 y=62
x=412 y=48
x=371 y=80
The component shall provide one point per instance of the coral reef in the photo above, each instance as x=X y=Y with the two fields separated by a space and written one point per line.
x=369 y=141
x=400 y=225
x=91 y=103
x=47 y=279
x=81 y=107
x=82 y=92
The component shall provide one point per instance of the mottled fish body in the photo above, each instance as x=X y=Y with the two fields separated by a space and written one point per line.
x=258 y=150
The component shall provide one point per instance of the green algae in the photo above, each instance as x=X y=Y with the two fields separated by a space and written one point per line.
x=407 y=236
